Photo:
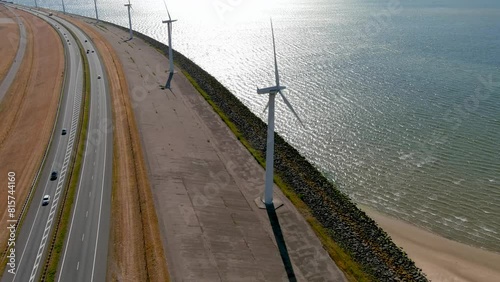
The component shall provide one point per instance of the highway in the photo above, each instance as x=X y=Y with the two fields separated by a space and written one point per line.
x=7 y=81
x=85 y=250
x=39 y=219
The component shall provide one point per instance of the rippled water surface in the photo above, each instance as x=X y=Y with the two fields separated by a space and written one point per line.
x=401 y=99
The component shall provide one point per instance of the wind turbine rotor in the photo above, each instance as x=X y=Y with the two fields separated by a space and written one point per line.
x=291 y=108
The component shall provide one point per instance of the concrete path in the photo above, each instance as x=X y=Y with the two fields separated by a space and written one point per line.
x=205 y=182
x=7 y=81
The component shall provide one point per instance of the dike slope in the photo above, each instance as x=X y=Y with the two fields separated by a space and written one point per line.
x=350 y=227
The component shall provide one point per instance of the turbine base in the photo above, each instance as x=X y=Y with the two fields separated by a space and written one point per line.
x=259 y=201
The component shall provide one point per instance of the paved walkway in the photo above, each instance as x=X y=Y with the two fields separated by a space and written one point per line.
x=9 y=78
x=205 y=182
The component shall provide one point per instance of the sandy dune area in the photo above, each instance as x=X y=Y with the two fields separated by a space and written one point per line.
x=9 y=32
x=27 y=112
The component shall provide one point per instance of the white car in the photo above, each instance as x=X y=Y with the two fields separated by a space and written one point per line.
x=46 y=200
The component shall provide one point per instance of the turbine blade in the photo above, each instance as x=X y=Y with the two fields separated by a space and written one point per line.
x=267 y=106
x=166 y=8
x=275 y=60
x=291 y=108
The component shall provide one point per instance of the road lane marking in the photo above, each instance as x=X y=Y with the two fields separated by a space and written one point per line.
x=77 y=265
x=78 y=194
x=102 y=192
x=69 y=145
x=83 y=236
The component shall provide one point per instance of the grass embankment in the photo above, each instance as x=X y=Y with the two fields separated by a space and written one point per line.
x=356 y=243
x=63 y=217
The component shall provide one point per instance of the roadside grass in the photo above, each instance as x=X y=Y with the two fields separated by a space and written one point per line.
x=352 y=270
x=59 y=234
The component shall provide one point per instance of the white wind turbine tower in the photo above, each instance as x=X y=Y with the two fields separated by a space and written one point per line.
x=170 y=53
x=96 y=14
x=129 y=6
x=272 y=90
x=64 y=9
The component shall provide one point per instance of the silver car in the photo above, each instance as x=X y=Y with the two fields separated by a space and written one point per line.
x=45 y=200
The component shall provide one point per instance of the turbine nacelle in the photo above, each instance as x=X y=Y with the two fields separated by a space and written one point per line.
x=270 y=90
x=168 y=21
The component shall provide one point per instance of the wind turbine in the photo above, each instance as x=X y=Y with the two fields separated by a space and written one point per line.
x=96 y=14
x=170 y=54
x=272 y=91
x=129 y=6
x=64 y=9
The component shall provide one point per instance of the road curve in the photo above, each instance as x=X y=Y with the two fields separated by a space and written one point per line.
x=35 y=231
x=85 y=251
x=84 y=257
x=11 y=74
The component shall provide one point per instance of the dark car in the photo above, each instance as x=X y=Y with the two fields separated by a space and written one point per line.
x=63 y=132
x=53 y=175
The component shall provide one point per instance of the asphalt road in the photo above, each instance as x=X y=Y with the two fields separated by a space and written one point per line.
x=84 y=257
x=7 y=81
x=85 y=253
x=32 y=239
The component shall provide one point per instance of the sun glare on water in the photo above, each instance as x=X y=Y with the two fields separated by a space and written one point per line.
x=222 y=12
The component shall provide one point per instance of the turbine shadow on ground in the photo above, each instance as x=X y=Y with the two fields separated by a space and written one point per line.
x=280 y=240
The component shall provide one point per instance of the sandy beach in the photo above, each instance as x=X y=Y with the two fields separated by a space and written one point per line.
x=440 y=258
